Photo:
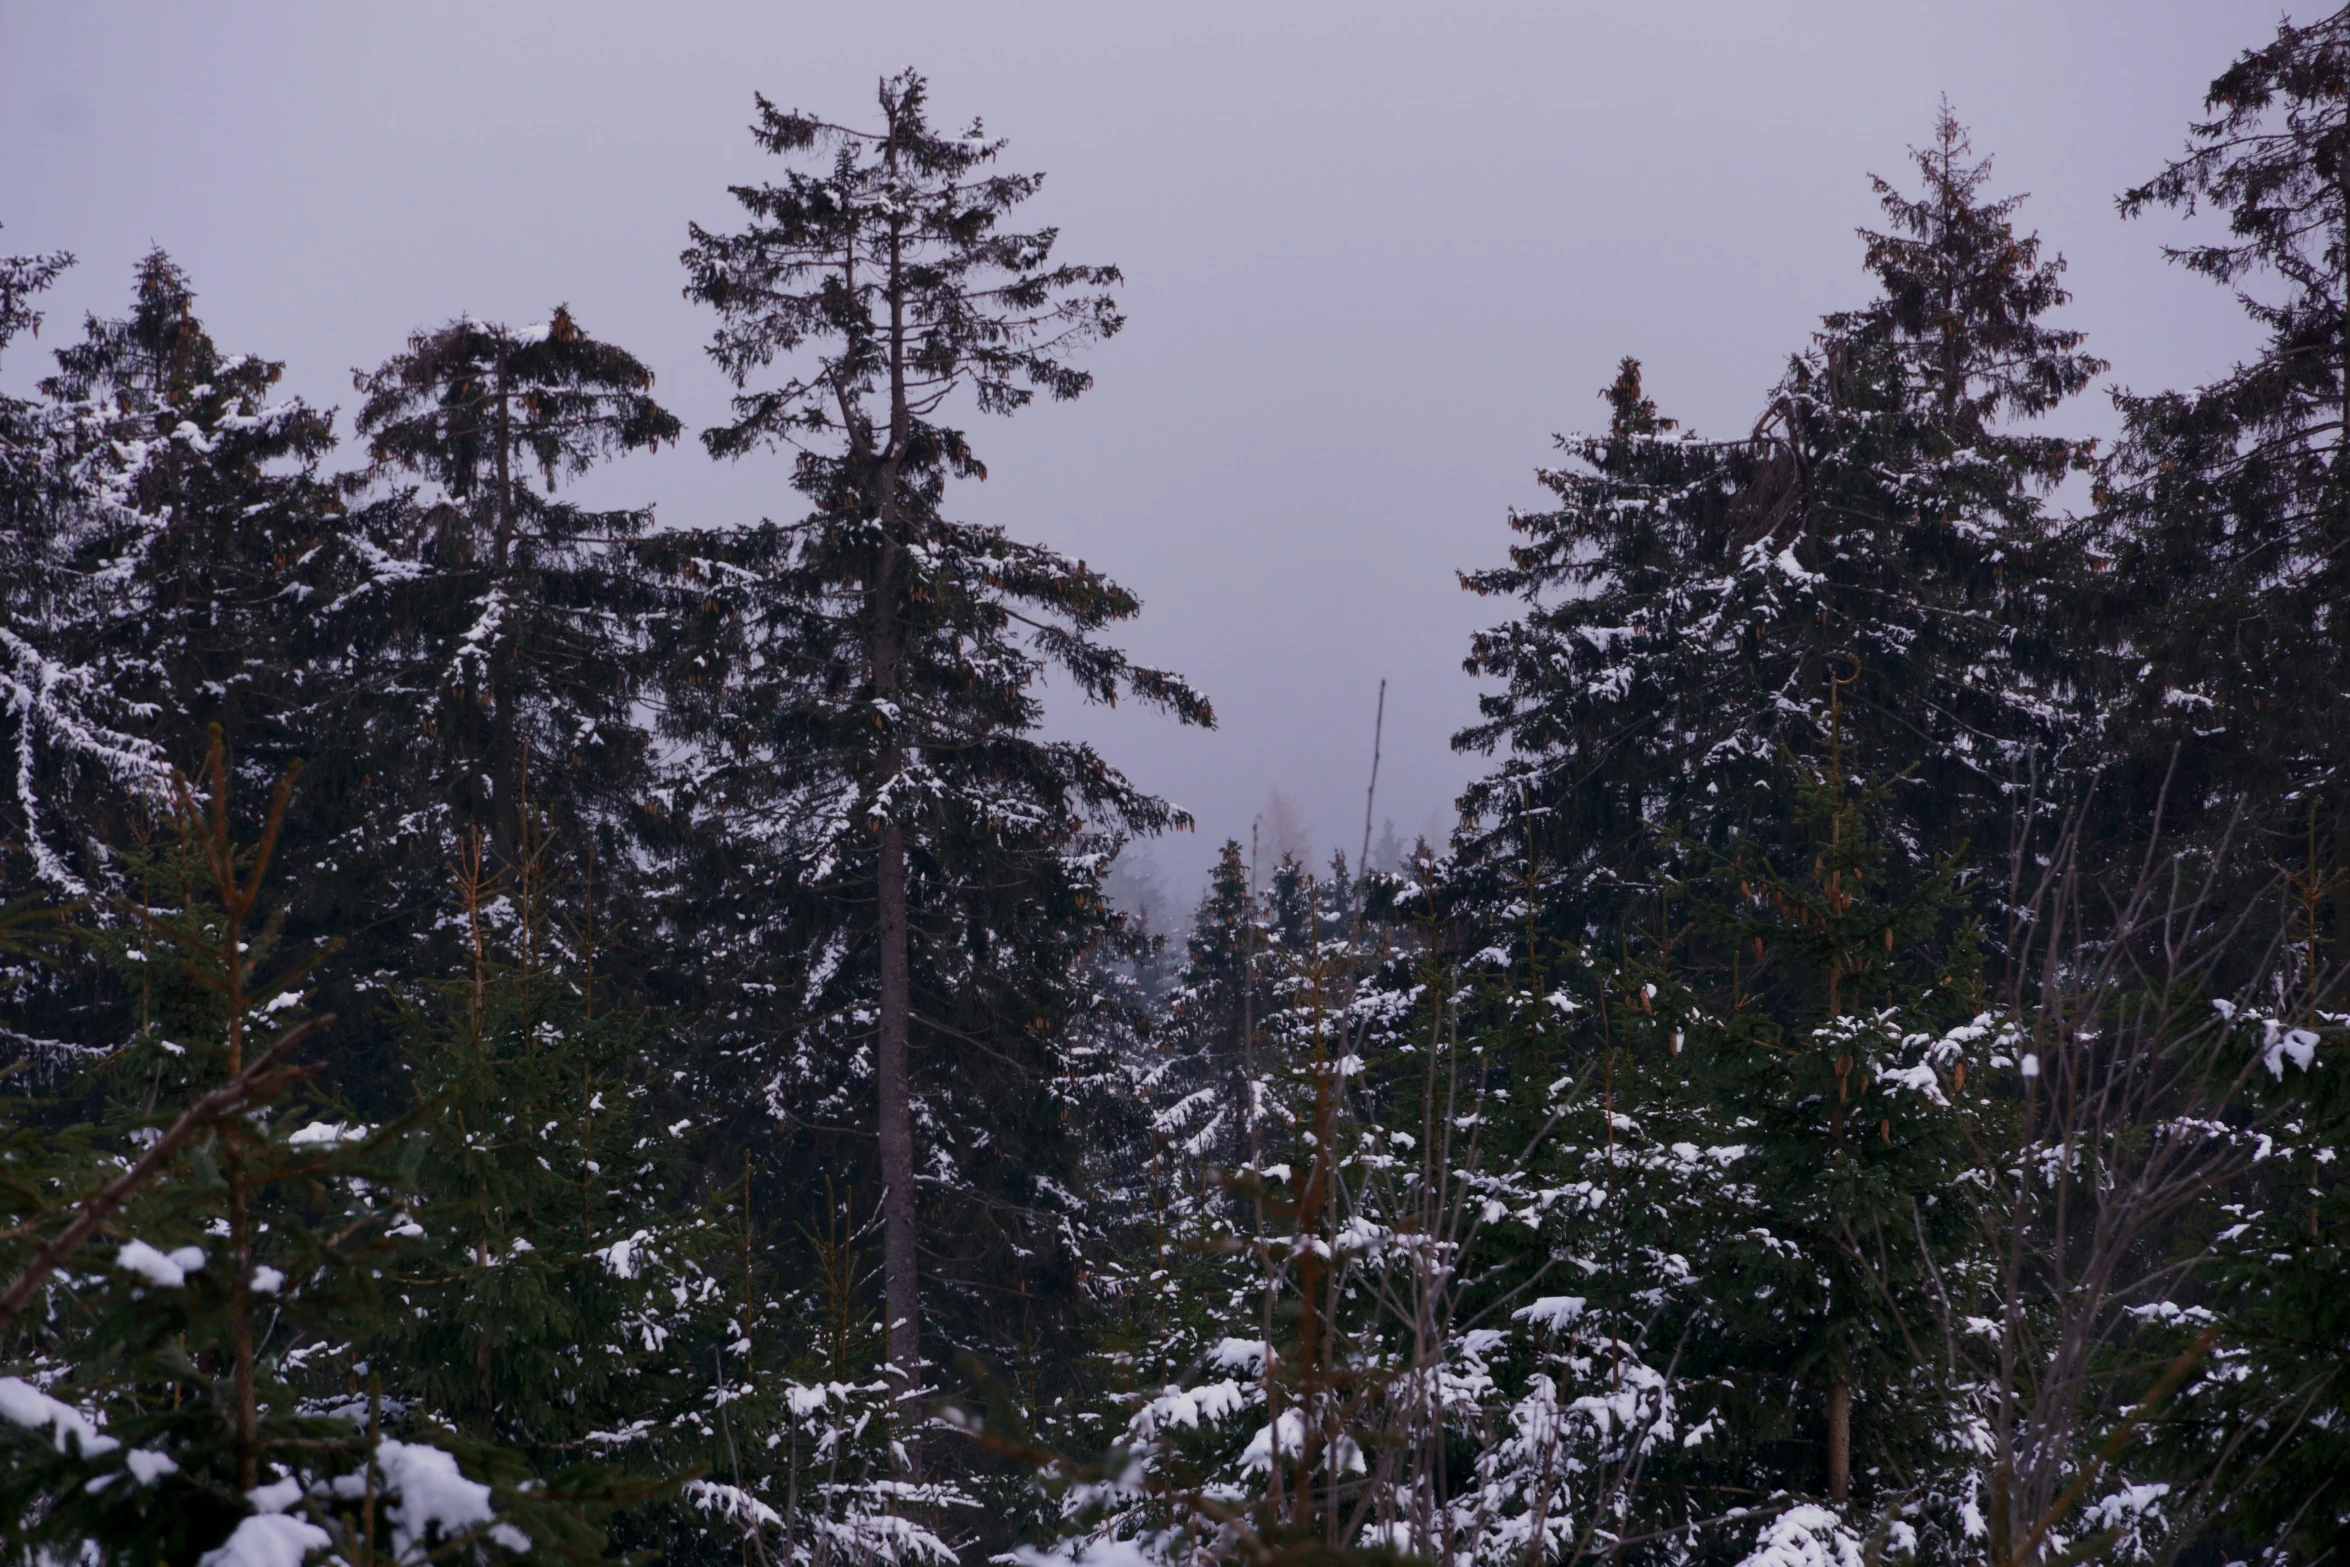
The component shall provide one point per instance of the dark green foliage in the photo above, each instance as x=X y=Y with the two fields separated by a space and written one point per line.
x=480 y=646
x=1826 y=1017
x=1841 y=1105
x=497 y=601
x=171 y=528
x=2265 y=1434
x=561 y=1297
x=213 y=1341
x=1214 y=1014
x=2225 y=509
x=2224 y=512
x=1692 y=605
x=57 y=711
x=221 y=527
x=860 y=691
x=169 y=542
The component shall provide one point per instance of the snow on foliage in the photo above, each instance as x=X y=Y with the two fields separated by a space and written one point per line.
x=72 y=1430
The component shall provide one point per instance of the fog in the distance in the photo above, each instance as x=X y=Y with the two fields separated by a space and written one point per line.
x=1377 y=254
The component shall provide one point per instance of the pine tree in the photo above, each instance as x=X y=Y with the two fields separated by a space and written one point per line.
x=1345 y=1345
x=22 y=280
x=1742 y=1126
x=1597 y=710
x=470 y=654
x=174 y=540
x=1215 y=1012
x=886 y=659
x=2224 y=513
x=564 y=1291
x=2267 y=1435
x=1834 y=1012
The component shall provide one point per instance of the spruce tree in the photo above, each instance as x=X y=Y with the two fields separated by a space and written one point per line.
x=2226 y=508
x=193 y=1283
x=472 y=655
x=167 y=533
x=1830 y=1015
x=59 y=711
x=1881 y=534
x=2224 y=515
x=897 y=653
x=175 y=541
x=22 y=280
x=225 y=526
x=565 y=1292
x=1215 y=1012
x=1598 y=709
x=497 y=596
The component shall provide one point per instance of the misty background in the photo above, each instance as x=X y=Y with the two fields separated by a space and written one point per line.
x=1377 y=254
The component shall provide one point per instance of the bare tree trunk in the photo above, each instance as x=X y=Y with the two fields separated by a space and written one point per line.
x=895 y=1074
x=901 y=1284
x=901 y=1289
x=235 y=902
x=241 y=1297
x=505 y=764
x=1840 y=1439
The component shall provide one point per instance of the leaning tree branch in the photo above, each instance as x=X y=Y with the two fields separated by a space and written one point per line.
x=256 y=1082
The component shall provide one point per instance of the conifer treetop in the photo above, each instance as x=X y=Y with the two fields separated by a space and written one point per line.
x=22 y=278
x=573 y=401
x=898 y=239
x=159 y=355
x=2273 y=155
x=1964 y=285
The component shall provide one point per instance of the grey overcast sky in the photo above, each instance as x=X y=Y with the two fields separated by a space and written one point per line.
x=1377 y=254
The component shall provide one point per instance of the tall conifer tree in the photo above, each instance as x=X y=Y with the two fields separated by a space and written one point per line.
x=2227 y=508
x=2227 y=518
x=1880 y=534
x=229 y=515
x=187 y=501
x=168 y=539
x=58 y=710
x=910 y=702
x=498 y=596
